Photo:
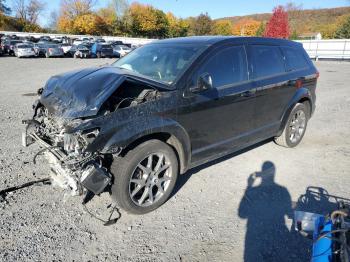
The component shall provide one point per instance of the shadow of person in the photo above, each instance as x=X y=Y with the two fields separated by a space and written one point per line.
x=265 y=207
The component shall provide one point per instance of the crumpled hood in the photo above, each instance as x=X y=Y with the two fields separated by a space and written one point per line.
x=80 y=93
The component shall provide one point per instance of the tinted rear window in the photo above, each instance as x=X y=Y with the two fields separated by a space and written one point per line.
x=295 y=59
x=267 y=61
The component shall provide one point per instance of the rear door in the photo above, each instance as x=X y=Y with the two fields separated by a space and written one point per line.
x=220 y=118
x=302 y=72
x=273 y=91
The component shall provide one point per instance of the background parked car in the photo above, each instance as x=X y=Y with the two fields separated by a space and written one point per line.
x=101 y=50
x=80 y=51
x=100 y=40
x=45 y=39
x=24 y=50
x=77 y=42
x=48 y=50
x=9 y=45
x=66 y=47
x=121 y=50
x=57 y=39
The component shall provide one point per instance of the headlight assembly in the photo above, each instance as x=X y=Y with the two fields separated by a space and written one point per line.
x=77 y=142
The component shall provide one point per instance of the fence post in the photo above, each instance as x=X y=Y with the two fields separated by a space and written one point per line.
x=343 y=57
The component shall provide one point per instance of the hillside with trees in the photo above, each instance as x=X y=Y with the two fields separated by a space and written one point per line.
x=327 y=21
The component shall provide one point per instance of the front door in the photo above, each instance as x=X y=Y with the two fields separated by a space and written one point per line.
x=220 y=118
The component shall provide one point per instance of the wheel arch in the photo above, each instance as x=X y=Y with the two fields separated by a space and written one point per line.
x=179 y=147
x=302 y=96
x=128 y=136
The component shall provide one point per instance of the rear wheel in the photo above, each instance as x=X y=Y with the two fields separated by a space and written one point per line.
x=295 y=127
x=145 y=177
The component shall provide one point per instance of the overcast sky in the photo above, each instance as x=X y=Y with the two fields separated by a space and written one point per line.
x=216 y=9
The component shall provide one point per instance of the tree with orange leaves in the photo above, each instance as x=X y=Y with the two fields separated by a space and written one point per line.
x=246 y=27
x=148 y=21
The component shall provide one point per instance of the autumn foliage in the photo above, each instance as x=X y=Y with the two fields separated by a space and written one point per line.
x=278 y=26
x=246 y=27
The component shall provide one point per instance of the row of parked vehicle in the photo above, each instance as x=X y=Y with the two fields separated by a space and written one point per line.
x=77 y=48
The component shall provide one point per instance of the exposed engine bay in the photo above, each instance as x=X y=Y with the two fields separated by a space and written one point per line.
x=75 y=168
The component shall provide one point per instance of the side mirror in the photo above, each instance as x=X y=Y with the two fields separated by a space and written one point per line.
x=204 y=82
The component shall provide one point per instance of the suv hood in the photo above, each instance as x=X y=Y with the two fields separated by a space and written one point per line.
x=80 y=93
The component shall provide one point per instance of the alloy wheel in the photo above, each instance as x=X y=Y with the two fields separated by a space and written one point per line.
x=150 y=179
x=297 y=126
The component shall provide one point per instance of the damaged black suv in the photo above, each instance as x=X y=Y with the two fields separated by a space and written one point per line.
x=130 y=128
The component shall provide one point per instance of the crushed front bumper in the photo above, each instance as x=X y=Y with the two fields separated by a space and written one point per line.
x=73 y=175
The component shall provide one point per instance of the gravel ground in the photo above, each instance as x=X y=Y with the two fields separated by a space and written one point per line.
x=216 y=212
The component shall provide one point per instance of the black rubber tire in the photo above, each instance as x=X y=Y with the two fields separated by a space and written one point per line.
x=122 y=168
x=284 y=138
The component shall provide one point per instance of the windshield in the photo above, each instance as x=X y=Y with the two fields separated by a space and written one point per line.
x=163 y=63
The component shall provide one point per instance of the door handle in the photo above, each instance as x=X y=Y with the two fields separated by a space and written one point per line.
x=249 y=93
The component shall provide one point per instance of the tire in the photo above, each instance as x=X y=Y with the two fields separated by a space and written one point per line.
x=134 y=197
x=295 y=128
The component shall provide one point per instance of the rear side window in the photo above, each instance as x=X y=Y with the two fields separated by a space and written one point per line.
x=294 y=59
x=267 y=61
x=228 y=66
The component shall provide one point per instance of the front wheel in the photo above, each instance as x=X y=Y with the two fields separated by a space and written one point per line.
x=145 y=177
x=295 y=127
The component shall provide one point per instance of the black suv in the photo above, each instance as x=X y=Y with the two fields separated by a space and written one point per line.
x=132 y=127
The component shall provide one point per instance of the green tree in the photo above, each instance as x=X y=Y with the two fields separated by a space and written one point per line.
x=261 y=29
x=344 y=30
x=294 y=35
x=222 y=27
x=177 y=27
x=202 y=25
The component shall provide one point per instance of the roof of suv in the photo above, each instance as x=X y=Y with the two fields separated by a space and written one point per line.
x=211 y=40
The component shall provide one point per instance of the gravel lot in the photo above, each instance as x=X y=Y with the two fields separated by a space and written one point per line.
x=212 y=216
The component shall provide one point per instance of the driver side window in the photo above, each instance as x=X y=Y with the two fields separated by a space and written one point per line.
x=227 y=66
